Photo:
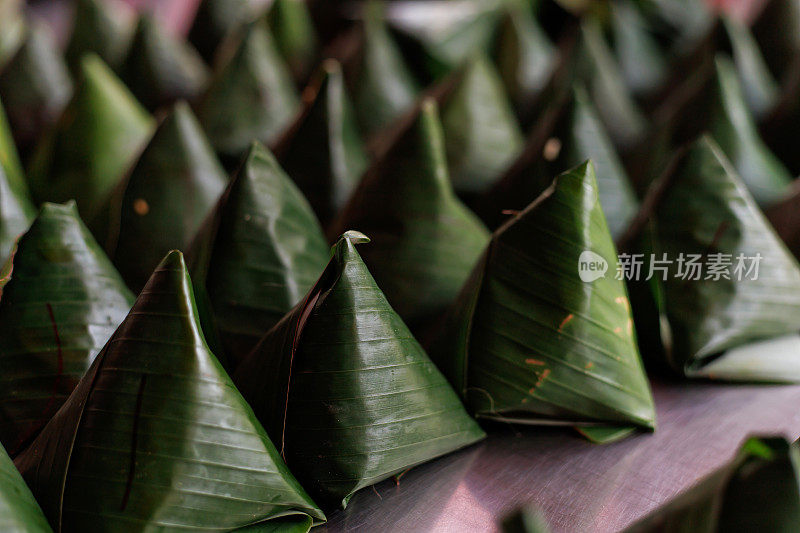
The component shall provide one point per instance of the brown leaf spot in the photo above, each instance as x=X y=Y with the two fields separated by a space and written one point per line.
x=141 y=207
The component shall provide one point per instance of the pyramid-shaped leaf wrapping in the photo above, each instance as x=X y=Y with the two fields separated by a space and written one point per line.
x=569 y=134
x=759 y=87
x=443 y=39
x=19 y=511
x=259 y=255
x=706 y=211
x=156 y=432
x=732 y=126
x=217 y=19
x=424 y=241
x=384 y=87
x=481 y=133
x=758 y=490
x=35 y=84
x=642 y=63
x=341 y=383
x=251 y=96
x=163 y=202
x=103 y=27
x=323 y=151
x=529 y=340
x=98 y=136
x=16 y=209
x=63 y=301
x=595 y=65
x=160 y=68
x=524 y=55
x=295 y=36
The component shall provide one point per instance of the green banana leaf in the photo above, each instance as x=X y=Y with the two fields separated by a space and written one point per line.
x=525 y=57
x=19 y=512
x=529 y=519
x=97 y=138
x=16 y=209
x=61 y=304
x=761 y=90
x=743 y=328
x=529 y=340
x=570 y=134
x=442 y=35
x=160 y=68
x=756 y=491
x=218 y=19
x=103 y=27
x=155 y=435
x=258 y=255
x=9 y=158
x=295 y=36
x=345 y=389
x=595 y=65
x=384 y=88
x=777 y=32
x=323 y=151
x=424 y=241
x=35 y=85
x=166 y=197
x=481 y=133
x=733 y=128
x=251 y=95
x=643 y=64
x=12 y=28
x=16 y=214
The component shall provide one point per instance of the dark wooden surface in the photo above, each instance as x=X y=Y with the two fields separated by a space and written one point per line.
x=580 y=486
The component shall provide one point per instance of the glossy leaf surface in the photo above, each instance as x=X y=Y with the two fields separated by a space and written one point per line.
x=160 y=68
x=323 y=151
x=385 y=88
x=295 y=36
x=35 y=85
x=341 y=383
x=259 y=255
x=251 y=96
x=528 y=340
x=103 y=27
x=97 y=138
x=163 y=202
x=62 y=303
x=424 y=241
x=707 y=210
x=19 y=512
x=156 y=431
x=481 y=133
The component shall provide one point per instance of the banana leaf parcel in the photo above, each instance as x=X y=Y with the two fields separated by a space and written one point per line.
x=97 y=138
x=19 y=512
x=103 y=28
x=156 y=437
x=61 y=304
x=423 y=240
x=295 y=36
x=481 y=132
x=385 y=88
x=250 y=96
x=161 y=68
x=570 y=133
x=259 y=254
x=542 y=331
x=165 y=198
x=216 y=20
x=729 y=300
x=757 y=491
x=35 y=84
x=322 y=151
x=347 y=391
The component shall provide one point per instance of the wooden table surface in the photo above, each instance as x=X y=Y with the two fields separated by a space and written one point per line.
x=578 y=485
